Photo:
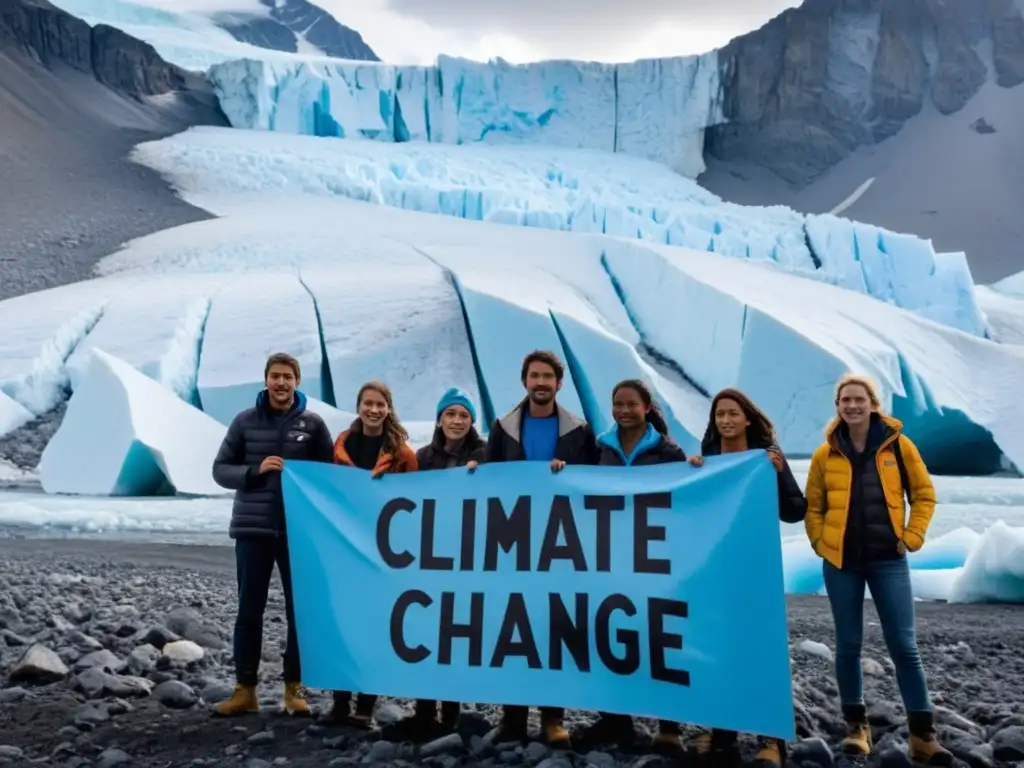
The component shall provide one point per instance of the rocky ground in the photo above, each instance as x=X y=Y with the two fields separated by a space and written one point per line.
x=112 y=652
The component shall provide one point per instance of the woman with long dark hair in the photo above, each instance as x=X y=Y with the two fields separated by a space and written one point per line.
x=376 y=442
x=639 y=438
x=735 y=425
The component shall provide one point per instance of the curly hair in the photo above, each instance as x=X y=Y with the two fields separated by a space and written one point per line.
x=395 y=435
x=654 y=416
x=760 y=432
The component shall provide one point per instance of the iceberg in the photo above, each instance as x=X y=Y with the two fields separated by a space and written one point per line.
x=126 y=435
x=655 y=109
x=1004 y=314
x=699 y=321
x=575 y=190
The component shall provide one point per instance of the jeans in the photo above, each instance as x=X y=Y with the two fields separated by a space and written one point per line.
x=889 y=582
x=254 y=560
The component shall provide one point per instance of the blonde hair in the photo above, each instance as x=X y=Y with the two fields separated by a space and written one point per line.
x=860 y=380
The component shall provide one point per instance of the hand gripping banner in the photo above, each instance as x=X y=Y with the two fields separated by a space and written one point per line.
x=653 y=591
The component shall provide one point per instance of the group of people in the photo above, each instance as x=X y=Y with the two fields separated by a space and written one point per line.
x=853 y=510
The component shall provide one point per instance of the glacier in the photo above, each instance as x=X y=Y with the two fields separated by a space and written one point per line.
x=126 y=435
x=576 y=190
x=689 y=321
x=656 y=109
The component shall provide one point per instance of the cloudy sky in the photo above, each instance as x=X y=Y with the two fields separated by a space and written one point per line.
x=415 y=31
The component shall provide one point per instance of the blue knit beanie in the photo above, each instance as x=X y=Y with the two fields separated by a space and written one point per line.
x=456 y=396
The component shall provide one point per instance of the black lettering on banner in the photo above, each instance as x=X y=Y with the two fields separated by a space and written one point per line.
x=468 y=548
x=449 y=630
x=391 y=558
x=516 y=622
x=508 y=531
x=628 y=638
x=573 y=633
x=428 y=560
x=604 y=506
x=660 y=640
x=402 y=649
x=644 y=534
x=561 y=518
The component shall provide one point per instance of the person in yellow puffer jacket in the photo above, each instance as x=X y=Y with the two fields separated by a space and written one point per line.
x=856 y=522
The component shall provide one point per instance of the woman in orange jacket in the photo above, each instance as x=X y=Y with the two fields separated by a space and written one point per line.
x=377 y=442
x=857 y=523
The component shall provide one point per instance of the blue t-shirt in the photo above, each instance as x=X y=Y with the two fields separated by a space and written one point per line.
x=540 y=437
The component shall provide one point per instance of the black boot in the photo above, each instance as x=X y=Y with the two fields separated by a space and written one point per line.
x=607 y=729
x=418 y=727
x=341 y=710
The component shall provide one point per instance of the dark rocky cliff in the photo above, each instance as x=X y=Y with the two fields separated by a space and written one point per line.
x=287 y=20
x=128 y=66
x=818 y=81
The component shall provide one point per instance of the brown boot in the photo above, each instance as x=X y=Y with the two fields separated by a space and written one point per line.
x=857 y=741
x=552 y=731
x=771 y=753
x=924 y=747
x=243 y=701
x=668 y=738
x=294 y=702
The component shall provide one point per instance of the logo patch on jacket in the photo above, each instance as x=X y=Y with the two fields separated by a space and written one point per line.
x=889 y=463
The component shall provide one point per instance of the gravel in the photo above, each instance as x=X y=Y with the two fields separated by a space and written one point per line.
x=114 y=651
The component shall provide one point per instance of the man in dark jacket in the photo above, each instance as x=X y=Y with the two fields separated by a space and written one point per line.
x=538 y=429
x=249 y=461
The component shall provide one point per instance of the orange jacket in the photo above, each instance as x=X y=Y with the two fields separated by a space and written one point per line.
x=831 y=478
x=405 y=461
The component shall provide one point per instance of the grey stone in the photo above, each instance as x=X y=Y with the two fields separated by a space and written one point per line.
x=109 y=758
x=535 y=751
x=380 y=751
x=449 y=743
x=261 y=738
x=39 y=664
x=1008 y=744
x=12 y=695
x=813 y=751
x=175 y=694
x=101 y=659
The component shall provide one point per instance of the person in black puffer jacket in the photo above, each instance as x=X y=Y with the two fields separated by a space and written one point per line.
x=639 y=437
x=250 y=459
x=456 y=443
x=736 y=425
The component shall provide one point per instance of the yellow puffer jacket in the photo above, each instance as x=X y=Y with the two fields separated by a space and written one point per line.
x=828 y=492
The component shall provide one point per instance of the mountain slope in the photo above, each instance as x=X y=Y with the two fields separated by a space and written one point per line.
x=74 y=100
x=924 y=96
x=297 y=26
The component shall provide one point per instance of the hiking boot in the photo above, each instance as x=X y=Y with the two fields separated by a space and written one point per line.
x=513 y=725
x=363 y=717
x=668 y=738
x=294 y=702
x=243 y=701
x=771 y=753
x=607 y=729
x=716 y=747
x=552 y=731
x=418 y=727
x=341 y=710
x=857 y=741
x=924 y=747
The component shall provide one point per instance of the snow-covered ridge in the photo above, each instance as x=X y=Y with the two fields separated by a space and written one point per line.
x=576 y=190
x=656 y=109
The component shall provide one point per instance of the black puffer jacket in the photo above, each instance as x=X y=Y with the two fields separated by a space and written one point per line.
x=576 y=442
x=792 y=503
x=255 y=434
x=434 y=456
x=869 y=533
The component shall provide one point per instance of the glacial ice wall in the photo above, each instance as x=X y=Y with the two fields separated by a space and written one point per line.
x=576 y=190
x=656 y=109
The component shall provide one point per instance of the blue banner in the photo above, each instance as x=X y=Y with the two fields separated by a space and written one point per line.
x=654 y=591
